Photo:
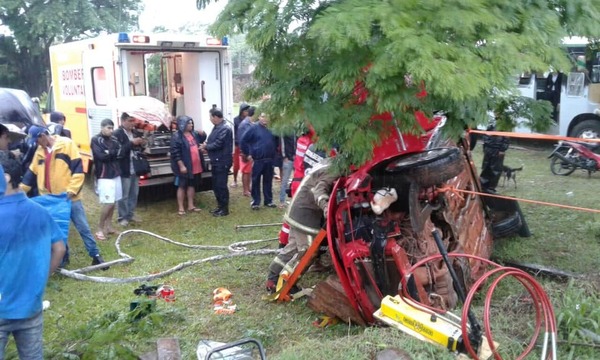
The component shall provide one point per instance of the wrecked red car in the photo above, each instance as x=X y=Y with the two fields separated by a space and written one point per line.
x=372 y=246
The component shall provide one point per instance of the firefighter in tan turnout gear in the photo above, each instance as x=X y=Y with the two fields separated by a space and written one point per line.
x=304 y=215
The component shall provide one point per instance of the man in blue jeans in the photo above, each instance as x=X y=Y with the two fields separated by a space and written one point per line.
x=31 y=248
x=129 y=140
x=56 y=168
x=261 y=146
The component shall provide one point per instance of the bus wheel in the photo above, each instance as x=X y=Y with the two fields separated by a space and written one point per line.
x=587 y=129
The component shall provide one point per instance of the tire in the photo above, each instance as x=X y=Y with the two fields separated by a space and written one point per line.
x=588 y=129
x=430 y=167
x=524 y=231
x=561 y=167
x=508 y=226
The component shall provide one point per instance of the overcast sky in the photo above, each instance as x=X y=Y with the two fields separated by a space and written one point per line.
x=173 y=13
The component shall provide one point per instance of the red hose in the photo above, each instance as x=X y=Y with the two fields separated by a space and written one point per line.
x=543 y=306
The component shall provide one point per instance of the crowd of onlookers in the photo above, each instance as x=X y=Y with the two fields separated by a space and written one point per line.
x=49 y=163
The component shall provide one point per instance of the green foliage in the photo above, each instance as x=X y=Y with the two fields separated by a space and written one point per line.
x=43 y=101
x=107 y=336
x=154 y=73
x=365 y=346
x=317 y=56
x=242 y=55
x=35 y=25
x=535 y=114
x=7 y=77
x=579 y=314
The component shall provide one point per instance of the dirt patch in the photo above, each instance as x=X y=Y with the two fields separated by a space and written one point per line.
x=593 y=280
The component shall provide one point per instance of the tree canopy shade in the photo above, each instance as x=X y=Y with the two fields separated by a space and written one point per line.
x=466 y=53
x=37 y=24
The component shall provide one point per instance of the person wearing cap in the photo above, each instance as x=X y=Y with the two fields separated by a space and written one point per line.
x=236 y=152
x=31 y=248
x=57 y=124
x=129 y=140
x=56 y=168
x=10 y=136
x=4 y=142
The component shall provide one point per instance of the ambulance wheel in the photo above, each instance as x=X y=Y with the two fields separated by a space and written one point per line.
x=430 y=167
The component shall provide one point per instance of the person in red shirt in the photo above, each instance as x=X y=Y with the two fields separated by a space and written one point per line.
x=186 y=162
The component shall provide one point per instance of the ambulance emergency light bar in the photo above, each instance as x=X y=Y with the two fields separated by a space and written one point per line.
x=163 y=41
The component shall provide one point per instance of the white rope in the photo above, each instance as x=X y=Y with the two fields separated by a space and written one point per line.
x=236 y=249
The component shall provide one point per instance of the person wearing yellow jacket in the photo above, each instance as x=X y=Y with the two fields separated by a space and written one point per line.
x=57 y=168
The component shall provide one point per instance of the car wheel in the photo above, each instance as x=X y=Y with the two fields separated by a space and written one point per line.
x=429 y=167
x=524 y=230
x=507 y=226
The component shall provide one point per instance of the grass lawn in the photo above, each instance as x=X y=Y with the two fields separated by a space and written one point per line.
x=90 y=320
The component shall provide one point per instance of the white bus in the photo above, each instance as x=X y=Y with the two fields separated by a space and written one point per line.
x=575 y=95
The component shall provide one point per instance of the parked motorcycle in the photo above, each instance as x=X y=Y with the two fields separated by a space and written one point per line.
x=569 y=156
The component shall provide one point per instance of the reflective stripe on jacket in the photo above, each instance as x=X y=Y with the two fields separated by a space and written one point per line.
x=65 y=167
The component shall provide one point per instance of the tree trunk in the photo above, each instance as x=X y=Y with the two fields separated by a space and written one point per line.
x=329 y=298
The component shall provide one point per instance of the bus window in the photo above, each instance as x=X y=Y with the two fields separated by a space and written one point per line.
x=575 y=84
x=595 y=74
x=525 y=78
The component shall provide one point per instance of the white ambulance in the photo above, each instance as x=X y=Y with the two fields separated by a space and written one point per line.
x=91 y=79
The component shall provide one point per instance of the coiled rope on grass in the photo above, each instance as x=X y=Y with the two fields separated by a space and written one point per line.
x=236 y=249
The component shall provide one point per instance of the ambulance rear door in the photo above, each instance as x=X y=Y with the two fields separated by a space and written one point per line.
x=203 y=85
x=100 y=87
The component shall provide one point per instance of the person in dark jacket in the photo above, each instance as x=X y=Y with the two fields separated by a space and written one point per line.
x=494 y=148
x=552 y=91
x=219 y=147
x=129 y=141
x=261 y=146
x=245 y=160
x=186 y=162
x=236 y=152
x=57 y=124
x=106 y=151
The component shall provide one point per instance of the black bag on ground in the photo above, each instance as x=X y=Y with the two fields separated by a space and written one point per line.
x=141 y=166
